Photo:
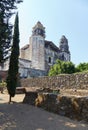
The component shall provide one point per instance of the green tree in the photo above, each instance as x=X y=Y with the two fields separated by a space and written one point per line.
x=68 y=67
x=82 y=67
x=5 y=37
x=55 y=69
x=62 y=67
x=7 y=8
x=13 y=66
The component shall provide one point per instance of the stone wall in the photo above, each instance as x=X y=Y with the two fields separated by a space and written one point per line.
x=68 y=81
x=72 y=107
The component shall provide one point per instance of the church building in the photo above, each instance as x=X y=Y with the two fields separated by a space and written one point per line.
x=37 y=56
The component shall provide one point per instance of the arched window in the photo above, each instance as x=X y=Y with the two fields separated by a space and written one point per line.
x=49 y=59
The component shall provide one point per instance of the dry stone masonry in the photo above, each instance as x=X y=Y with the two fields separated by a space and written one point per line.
x=68 y=81
x=70 y=106
x=49 y=95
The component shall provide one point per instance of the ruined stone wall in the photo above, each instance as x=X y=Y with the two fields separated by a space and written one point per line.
x=72 y=107
x=70 y=81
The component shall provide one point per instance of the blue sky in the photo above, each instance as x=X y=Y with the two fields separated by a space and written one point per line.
x=59 y=17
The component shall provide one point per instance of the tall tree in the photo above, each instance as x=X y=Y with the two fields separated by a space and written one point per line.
x=13 y=66
x=5 y=38
x=7 y=8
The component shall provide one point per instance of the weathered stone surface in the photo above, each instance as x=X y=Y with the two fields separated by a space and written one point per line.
x=85 y=109
x=49 y=95
x=72 y=107
x=30 y=97
x=46 y=101
x=68 y=81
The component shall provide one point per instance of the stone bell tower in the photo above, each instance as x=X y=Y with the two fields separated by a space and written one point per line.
x=64 y=49
x=37 y=47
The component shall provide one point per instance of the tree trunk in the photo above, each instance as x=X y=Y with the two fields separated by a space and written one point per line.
x=9 y=99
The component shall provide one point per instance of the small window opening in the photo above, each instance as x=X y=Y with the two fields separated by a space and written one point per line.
x=49 y=59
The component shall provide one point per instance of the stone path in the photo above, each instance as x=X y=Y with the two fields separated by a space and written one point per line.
x=18 y=116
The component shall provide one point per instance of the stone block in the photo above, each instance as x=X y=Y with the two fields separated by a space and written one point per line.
x=30 y=97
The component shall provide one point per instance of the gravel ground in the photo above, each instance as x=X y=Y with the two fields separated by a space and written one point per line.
x=18 y=116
